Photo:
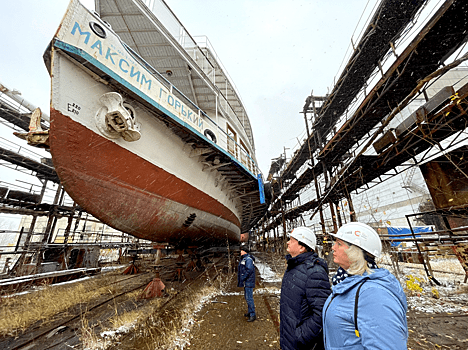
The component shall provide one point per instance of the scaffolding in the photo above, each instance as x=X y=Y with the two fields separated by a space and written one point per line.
x=354 y=142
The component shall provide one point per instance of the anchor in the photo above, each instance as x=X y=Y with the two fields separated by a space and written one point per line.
x=117 y=119
x=36 y=136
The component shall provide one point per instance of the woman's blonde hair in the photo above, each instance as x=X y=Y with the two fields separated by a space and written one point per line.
x=358 y=264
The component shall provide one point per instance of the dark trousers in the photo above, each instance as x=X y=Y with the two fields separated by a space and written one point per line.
x=248 y=295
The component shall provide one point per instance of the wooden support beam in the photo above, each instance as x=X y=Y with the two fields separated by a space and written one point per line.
x=211 y=167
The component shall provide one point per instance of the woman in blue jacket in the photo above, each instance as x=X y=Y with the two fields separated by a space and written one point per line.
x=367 y=307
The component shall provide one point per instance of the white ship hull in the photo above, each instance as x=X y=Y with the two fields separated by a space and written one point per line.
x=147 y=175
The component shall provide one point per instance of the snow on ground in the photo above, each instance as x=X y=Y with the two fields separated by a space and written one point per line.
x=423 y=295
x=266 y=273
x=432 y=305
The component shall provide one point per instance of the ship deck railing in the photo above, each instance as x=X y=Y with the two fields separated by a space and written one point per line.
x=226 y=142
x=197 y=48
x=192 y=45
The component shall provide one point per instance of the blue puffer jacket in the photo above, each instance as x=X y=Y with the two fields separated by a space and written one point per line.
x=304 y=289
x=381 y=316
x=246 y=271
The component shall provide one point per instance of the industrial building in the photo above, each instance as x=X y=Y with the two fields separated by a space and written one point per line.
x=394 y=113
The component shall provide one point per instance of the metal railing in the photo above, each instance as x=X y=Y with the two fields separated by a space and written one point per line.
x=199 y=49
x=223 y=139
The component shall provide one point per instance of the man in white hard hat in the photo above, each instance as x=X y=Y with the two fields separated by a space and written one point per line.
x=304 y=289
x=372 y=296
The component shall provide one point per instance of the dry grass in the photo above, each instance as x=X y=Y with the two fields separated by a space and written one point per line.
x=159 y=330
x=155 y=328
x=168 y=331
x=178 y=328
x=447 y=264
x=129 y=318
x=19 y=312
x=170 y=328
x=89 y=339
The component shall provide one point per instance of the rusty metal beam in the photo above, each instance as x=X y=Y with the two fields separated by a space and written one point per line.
x=442 y=35
x=43 y=171
x=448 y=121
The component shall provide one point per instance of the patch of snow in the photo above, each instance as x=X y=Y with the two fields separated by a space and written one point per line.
x=183 y=338
x=110 y=268
x=257 y=291
x=266 y=273
x=231 y=293
x=113 y=334
x=275 y=291
x=428 y=297
x=424 y=303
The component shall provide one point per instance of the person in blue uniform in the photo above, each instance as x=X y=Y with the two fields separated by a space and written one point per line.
x=304 y=289
x=367 y=308
x=246 y=279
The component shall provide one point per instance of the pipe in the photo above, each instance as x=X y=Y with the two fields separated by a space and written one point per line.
x=16 y=96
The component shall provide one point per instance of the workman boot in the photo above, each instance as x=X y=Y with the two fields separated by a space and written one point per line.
x=252 y=318
x=247 y=314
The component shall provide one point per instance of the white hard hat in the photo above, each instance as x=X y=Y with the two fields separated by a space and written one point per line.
x=304 y=235
x=361 y=235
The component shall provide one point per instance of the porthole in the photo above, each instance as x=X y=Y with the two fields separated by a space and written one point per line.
x=210 y=135
x=98 y=29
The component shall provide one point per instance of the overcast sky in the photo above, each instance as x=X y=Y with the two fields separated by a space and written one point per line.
x=276 y=52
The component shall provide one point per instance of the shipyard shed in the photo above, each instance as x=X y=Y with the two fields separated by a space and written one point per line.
x=386 y=147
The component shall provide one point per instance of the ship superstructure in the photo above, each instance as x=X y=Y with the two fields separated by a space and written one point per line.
x=165 y=156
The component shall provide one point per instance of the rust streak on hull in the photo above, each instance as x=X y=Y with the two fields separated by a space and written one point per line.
x=131 y=194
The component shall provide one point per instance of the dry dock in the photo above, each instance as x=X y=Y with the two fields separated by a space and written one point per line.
x=204 y=310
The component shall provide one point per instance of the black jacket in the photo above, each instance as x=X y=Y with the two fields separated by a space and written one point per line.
x=246 y=271
x=304 y=289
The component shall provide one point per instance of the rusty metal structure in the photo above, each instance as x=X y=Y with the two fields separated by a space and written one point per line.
x=353 y=142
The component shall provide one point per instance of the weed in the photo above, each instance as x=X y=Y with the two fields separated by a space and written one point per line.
x=18 y=312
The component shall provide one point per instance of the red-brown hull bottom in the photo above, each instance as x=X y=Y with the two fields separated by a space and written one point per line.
x=131 y=194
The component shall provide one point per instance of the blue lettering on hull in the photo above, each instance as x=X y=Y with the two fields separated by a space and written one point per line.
x=115 y=57
x=110 y=55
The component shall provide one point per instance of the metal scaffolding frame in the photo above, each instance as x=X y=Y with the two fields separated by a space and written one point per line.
x=341 y=165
